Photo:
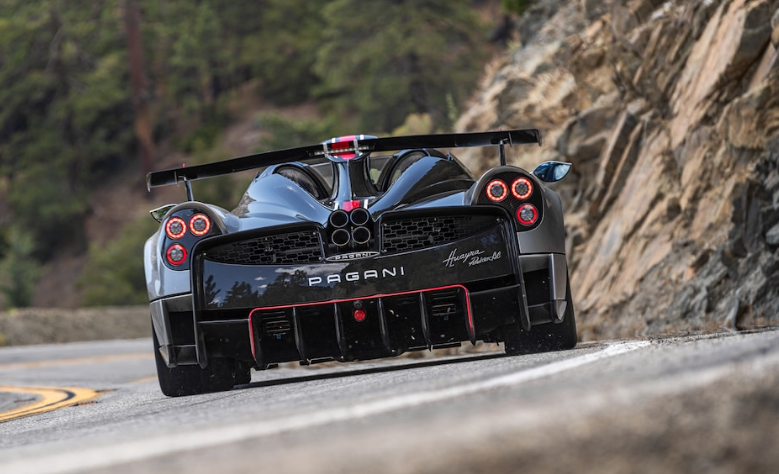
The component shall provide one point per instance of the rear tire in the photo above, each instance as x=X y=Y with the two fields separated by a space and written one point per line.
x=544 y=337
x=218 y=376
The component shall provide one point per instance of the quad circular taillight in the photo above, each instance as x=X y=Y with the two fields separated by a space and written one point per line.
x=175 y=228
x=522 y=188
x=199 y=225
x=527 y=214
x=176 y=254
x=497 y=190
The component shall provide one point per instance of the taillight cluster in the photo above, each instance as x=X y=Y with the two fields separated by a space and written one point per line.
x=517 y=194
x=182 y=231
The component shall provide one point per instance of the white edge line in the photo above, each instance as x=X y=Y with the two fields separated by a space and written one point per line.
x=136 y=450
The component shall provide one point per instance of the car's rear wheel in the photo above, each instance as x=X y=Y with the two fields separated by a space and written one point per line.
x=544 y=337
x=183 y=380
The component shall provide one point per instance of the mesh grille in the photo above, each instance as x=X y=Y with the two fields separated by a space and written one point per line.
x=283 y=249
x=404 y=235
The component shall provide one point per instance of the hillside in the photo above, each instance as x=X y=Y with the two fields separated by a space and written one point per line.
x=668 y=112
x=123 y=198
x=95 y=95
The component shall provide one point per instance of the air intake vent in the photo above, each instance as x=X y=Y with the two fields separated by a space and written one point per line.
x=291 y=248
x=404 y=235
x=275 y=323
x=444 y=304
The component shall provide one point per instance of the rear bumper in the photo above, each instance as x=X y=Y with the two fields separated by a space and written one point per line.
x=393 y=323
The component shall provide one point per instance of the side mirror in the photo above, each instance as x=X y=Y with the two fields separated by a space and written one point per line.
x=159 y=213
x=551 y=171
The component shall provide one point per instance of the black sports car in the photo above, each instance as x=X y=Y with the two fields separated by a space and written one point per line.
x=339 y=252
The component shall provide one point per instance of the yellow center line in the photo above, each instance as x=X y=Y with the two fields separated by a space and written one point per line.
x=82 y=360
x=145 y=379
x=52 y=398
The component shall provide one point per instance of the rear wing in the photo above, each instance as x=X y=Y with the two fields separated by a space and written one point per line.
x=366 y=145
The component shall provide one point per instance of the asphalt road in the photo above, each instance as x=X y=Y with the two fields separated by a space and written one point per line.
x=687 y=404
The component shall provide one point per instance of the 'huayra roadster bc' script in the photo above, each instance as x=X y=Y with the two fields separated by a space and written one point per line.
x=352 y=250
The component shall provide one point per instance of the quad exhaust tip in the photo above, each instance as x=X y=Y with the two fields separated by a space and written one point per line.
x=339 y=218
x=361 y=235
x=340 y=237
x=359 y=216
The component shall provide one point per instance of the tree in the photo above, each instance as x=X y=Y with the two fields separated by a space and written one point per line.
x=114 y=273
x=132 y=24
x=386 y=59
x=284 y=49
x=516 y=6
x=18 y=271
x=65 y=112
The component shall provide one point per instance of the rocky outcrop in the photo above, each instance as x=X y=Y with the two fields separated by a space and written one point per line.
x=669 y=112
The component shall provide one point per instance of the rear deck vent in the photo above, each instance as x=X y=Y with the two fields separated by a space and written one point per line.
x=291 y=248
x=415 y=233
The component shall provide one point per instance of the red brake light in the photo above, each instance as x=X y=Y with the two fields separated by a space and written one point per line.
x=359 y=315
x=522 y=188
x=343 y=147
x=176 y=254
x=497 y=190
x=175 y=228
x=199 y=225
x=527 y=214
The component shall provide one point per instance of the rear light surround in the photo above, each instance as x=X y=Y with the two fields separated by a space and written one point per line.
x=182 y=229
x=516 y=191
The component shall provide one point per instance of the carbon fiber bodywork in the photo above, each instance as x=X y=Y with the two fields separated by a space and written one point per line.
x=356 y=257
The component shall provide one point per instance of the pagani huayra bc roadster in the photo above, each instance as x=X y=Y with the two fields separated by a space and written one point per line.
x=338 y=251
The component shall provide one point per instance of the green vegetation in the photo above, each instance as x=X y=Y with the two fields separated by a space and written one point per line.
x=411 y=55
x=114 y=273
x=89 y=87
x=285 y=133
x=516 y=6
x=18 y=271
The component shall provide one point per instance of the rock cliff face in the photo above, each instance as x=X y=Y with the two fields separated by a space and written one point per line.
x=669 y=112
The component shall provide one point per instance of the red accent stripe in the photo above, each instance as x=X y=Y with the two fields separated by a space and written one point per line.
x=471 y=330
x=349 y=205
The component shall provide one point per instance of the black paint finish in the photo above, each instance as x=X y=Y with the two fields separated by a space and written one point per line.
x=294 y=272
